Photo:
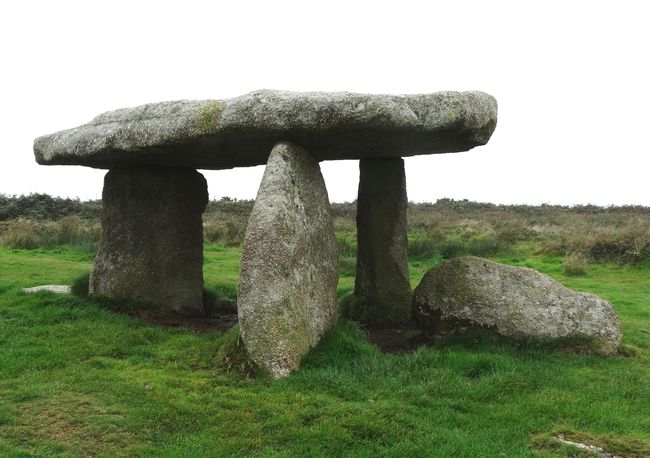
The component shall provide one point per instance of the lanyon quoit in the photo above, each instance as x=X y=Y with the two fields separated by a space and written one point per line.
x=151 y=245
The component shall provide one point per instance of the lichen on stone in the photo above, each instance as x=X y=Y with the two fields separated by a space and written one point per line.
x=208 y=117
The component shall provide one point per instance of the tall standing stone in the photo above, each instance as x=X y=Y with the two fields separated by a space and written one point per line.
x=151 y=247
x=289 y=268
x=382 y=280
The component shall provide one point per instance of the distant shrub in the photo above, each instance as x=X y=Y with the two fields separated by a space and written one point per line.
x=347 y=210
x=462 y=241
x=631 y=247
x=230 y=206
x=78 y=234
x=69 y=230
x=45 y=207
x=347 y=244
x=21 y=234
x=348 y=266
x=485 y=245
x=31 y=234
x=447 y=228
x=574 y=265
x=422 y=248
x=229 y=232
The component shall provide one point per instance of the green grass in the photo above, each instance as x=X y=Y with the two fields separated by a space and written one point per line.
x=79 y=380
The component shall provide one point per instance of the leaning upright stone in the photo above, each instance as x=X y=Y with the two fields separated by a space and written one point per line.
x=382 y=281
x=289 y=268
x=151 y=247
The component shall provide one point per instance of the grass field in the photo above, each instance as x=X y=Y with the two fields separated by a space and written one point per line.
x=78 y=380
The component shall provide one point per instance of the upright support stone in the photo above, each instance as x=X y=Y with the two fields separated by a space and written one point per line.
x=382 y=280
x=290 y=267
x=151 y=247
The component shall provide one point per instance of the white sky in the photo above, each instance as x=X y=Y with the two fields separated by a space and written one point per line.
x=571 y=78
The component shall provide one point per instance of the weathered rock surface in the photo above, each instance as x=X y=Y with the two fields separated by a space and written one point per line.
x=219 y=134
x=382 y=279
x=289 y=269
x=513 y=301
x=56 y=289
x=151 y=247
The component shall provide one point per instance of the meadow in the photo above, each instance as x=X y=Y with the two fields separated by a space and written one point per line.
x=77 y=379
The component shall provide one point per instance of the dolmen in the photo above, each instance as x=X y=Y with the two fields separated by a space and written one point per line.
x=153 y=199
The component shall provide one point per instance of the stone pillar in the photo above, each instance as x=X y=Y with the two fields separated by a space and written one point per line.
x=382 y=280
x=151 y=247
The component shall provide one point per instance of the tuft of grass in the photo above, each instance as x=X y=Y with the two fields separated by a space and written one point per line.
x=347 y=246
x=21 y=234
x=228 y=231
x=458 y=242
x=71 y=231
x=423 y=248
x=574 y=264
x=232 y=356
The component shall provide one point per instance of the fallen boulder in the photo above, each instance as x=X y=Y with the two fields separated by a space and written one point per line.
x=220 y=134
x=289 y=270
x=512 y=301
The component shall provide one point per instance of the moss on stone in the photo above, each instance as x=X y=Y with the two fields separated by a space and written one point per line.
x=209 y=117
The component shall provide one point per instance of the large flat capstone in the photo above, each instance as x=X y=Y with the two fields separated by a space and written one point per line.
x=220 y=134
x=289 y=269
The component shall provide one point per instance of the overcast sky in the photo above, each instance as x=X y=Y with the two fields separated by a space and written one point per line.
x=571 y=79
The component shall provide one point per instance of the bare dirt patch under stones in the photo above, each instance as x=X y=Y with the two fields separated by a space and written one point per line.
x=394 y=340
x=166 y=319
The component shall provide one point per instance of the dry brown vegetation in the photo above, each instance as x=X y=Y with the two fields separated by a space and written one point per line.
x=445 y=229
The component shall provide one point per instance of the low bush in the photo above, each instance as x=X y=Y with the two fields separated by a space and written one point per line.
x=21 y=234
x=78 y=234
x=574 y=265
x=446 y=228
x=229 y=232
x=422 y=248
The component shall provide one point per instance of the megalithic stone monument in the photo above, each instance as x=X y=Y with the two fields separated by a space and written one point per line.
x=176 y=137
